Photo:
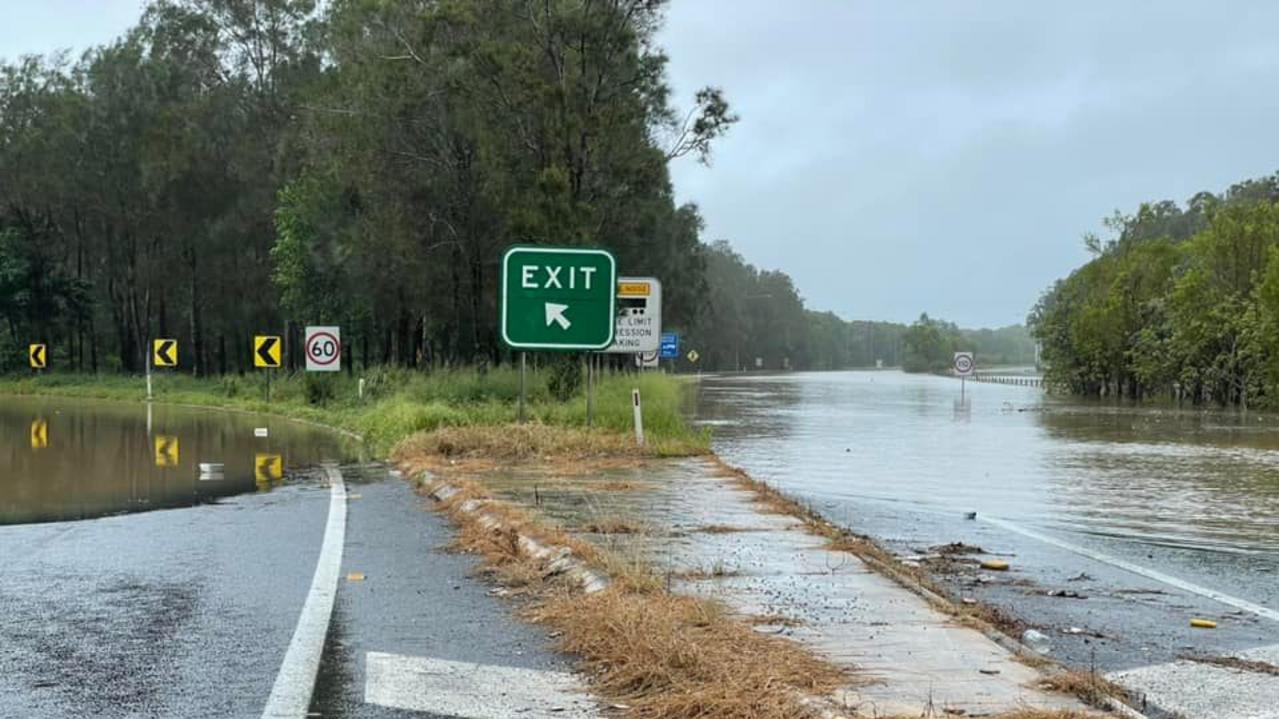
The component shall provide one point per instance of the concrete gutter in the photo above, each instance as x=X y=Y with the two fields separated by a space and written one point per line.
x=557 y=560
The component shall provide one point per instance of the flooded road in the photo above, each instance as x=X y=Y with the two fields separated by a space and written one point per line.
x=113 y=610
x=77 y=459
x=1067 y=490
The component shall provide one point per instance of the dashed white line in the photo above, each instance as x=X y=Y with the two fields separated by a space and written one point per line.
x=291 y=694
x=1236 y=602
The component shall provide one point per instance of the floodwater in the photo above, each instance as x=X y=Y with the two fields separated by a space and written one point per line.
x=79 y=459
x=1191 y=493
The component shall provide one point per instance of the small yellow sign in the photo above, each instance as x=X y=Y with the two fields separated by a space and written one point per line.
x=167 y=452
x=165 y=353
x=39 y=355
x=693 y=356
x=268 y=468
x=266 y=351
x=39 y=434
x=634 y=289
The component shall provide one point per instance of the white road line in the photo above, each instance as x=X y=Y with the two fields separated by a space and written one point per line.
x=1245 y=605
x=291 y=695
x=472 y=691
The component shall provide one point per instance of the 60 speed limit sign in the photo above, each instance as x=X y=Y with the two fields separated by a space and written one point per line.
x=964 y=364
x=323 y=349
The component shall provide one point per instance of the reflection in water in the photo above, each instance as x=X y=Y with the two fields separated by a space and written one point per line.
x=75 y=459
x=1197 y=480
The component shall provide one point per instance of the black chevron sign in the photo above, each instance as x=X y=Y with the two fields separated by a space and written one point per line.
x=266 y=352
x=166 y=353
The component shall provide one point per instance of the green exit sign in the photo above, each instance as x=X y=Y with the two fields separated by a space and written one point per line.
x=558 y=298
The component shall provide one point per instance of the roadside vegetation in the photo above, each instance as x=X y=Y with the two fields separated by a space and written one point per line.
x=1180 y=301
x=462 y=412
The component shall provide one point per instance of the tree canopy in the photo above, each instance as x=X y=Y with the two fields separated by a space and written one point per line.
x=1181 y=301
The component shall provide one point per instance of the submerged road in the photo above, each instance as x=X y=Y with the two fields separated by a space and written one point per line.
x=220 y=609
x=1121 y=524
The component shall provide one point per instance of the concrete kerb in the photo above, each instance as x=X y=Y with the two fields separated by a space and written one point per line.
x=557 y=560
x=1009 y=643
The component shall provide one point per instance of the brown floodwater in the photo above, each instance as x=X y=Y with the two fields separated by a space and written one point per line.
x=66 y=459
x=1191 y=492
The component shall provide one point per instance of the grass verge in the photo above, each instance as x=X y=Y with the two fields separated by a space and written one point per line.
x=474 y=412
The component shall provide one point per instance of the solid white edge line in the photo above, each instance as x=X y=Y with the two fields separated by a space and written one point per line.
x=1170 y=580
x=291 y=694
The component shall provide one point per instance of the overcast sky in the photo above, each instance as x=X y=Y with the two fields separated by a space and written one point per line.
x=896 y=157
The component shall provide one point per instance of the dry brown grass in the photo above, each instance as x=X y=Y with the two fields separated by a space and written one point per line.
x=678 y=657
x=663 y=655
x=1246 y=665
x=720 y=529
x=1025 y=713
x=1092 y=689
x=612 y=525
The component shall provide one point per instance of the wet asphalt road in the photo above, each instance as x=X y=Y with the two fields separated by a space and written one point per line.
x=417 y=599
x=188 y=612
x=170 y=613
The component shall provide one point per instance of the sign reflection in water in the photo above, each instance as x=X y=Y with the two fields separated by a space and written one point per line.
x=76 y=459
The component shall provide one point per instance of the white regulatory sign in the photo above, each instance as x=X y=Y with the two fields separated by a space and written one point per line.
x=323 y=349
x=639 y=315
x=964 y=364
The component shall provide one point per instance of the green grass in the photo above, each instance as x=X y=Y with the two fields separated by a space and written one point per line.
x=399 y=403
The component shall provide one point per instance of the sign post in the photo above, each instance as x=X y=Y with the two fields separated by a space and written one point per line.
x=323 y=349
x=964 y=368
x=164 y=354
x=266 y=355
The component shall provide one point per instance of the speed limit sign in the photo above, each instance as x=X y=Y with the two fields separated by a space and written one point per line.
x=964 y=364
x=323 y=349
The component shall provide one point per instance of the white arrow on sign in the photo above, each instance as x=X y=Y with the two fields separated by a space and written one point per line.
x=555 y=313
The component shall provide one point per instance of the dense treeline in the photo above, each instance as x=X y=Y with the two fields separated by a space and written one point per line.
x=1182 y=302
x=238 y=167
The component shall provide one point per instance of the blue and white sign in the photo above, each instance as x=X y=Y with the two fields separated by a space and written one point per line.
x=670 y=345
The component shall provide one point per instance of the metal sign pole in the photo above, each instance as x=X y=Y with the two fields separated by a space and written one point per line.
x=523 y=369
x=590 y=404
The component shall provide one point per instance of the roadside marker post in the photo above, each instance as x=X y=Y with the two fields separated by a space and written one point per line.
x=639 y=417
